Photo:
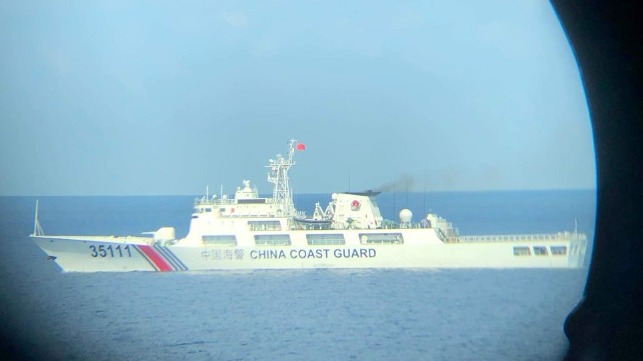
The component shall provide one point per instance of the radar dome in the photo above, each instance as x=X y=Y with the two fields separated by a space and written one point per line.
x=406 y=215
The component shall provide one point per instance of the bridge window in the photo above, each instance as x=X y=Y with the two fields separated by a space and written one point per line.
x=264 y=225
x=540 y=251
x=230 y=240
x=325 y=239
x=522 y=251
x=558 y=250
x=381 y=238
x=272 y=240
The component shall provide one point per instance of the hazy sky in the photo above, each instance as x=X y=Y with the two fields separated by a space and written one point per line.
x=166 y=97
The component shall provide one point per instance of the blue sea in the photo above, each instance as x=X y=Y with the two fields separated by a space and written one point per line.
x=287 y=314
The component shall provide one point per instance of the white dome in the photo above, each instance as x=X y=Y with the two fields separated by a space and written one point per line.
x=406 y=215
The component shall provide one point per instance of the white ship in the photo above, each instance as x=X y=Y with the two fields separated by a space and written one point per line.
x=254 y=232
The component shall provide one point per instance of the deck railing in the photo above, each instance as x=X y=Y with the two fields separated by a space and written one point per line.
x=561 y=236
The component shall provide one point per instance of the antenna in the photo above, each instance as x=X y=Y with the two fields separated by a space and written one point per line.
x=37 y=229
x=424 y=194
x=35 y=220
x=406 y=189
x=278 y=175
x=394 y=190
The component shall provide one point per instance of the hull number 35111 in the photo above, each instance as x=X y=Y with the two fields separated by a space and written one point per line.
x=109 y=251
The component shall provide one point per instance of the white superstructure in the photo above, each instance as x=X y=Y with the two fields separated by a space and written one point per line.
x=253 y=232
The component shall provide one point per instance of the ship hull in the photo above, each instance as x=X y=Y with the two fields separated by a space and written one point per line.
x=110 y=254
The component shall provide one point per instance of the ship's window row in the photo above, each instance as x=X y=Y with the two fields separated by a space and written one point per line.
x=325 y=239
x=272 y=240
x=264 y=225
x=517 y=237
x=558 y=250
x=225 y=240
x=251 y=201
x=540 y=250
x=522 y=251
x=381 y=238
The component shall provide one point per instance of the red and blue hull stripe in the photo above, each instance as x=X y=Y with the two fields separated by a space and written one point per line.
x=161 y=258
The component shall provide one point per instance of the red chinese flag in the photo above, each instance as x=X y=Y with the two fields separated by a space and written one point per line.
x=301 y=146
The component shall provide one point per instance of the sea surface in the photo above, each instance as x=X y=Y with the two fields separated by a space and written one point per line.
x=287 y=314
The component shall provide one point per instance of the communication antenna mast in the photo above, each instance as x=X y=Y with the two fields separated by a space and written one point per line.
x=424 y=194
x=406 y=189
x=278 y=175
x=394 y=190
x=37 y=229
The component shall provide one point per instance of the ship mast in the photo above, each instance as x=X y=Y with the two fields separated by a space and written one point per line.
x=278 y=175
x=37 y=229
